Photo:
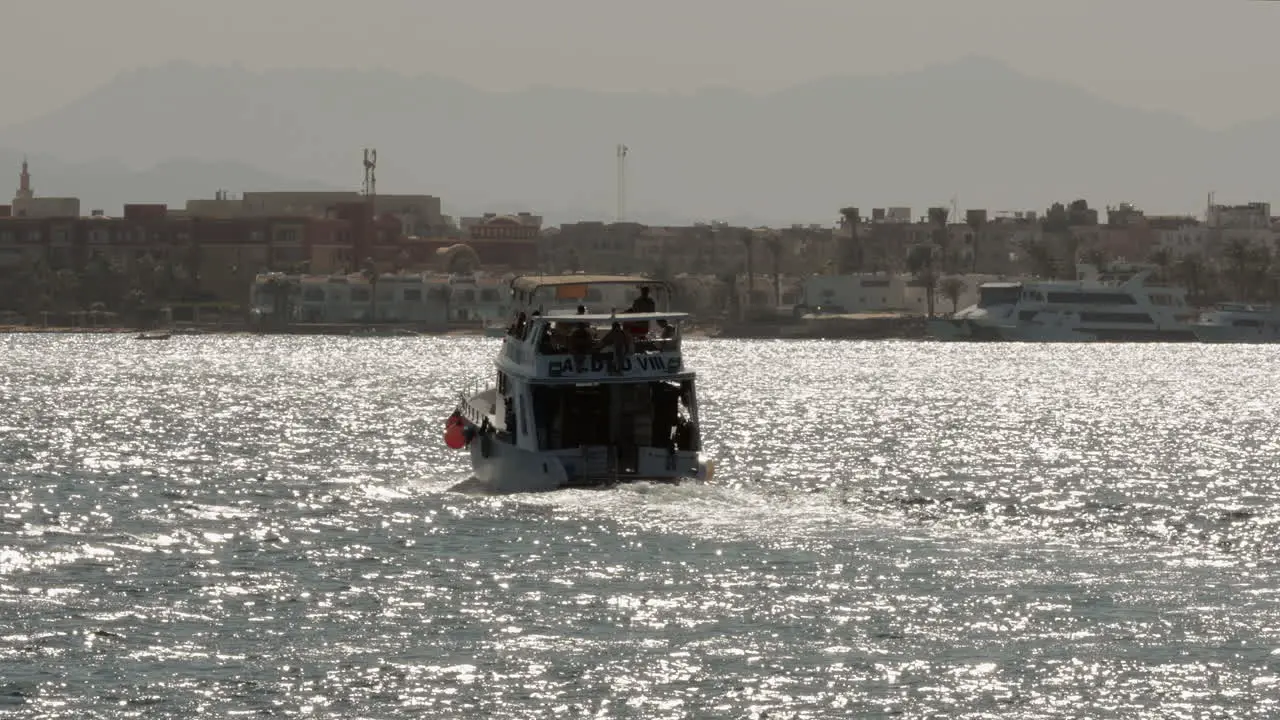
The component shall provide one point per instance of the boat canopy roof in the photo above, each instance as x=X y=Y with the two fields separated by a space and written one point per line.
x=607 y=317
x=530 y=283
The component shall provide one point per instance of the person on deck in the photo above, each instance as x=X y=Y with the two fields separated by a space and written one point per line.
x=620 y=343
x=517 y=328
x=580 y=342
x=642 y=304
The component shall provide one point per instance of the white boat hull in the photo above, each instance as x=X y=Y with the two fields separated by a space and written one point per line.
x=1234 y=335
x=500 y=467
x=1029 y=332
x=968 y=330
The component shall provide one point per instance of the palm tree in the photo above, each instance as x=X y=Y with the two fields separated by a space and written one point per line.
x=920 y=263
x=1095 y=257
x=370 y=273
x=65 y=288
x=851 y=253
x=1237 y=253
x=747 y=238
x=952 y=288
x=1162 y=259
x=729 y=281
x=1191 y=271
x=1040 y=259
x=774 y=243
x=938 y=218
x=976 y=220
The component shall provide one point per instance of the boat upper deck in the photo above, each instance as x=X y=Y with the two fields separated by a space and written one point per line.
x=626 y=347
x=551 y=293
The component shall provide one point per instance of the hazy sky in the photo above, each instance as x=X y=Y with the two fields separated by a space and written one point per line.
x=1215 y=61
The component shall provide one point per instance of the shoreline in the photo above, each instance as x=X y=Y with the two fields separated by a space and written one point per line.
x=835 y=328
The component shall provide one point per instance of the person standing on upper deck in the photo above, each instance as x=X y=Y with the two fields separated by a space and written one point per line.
x=644 y=303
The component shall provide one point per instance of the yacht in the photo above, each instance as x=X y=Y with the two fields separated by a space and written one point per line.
x=1238 y=323
x=583 y=398
x=1117 y=305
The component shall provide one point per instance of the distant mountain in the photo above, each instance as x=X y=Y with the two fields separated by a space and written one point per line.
x=107 y=185
x=973 y=128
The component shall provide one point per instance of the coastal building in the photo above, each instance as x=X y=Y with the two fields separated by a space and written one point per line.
x=478 y=298
x=858 y=293
x=411 y=299
x=593 y=247
x=417 y=214
x=504 y=242
x=1249 y=226
x=1179 y=236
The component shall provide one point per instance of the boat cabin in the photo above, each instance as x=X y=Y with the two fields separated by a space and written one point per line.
x=607 y=393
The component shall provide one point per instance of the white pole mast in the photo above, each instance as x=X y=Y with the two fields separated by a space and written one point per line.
x=622 y=178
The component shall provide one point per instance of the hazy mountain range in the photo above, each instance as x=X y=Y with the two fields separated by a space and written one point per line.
x=973 y=128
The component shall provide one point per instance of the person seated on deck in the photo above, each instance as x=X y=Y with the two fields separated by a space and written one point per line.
x=620 y=343
x=527 y=325
x=666 y=331
x=582 y=309
x=682 y=438
x=547 y=344
x=580 y=343
x=559 y=332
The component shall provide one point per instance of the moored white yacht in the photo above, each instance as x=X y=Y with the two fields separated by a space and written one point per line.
x=1117 y=306
x=1238 y=323
x=583 y=398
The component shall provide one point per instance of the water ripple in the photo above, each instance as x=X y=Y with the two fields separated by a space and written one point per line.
x=260 y=525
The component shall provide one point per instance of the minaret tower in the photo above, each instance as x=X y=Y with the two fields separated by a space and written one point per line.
x=24 y=184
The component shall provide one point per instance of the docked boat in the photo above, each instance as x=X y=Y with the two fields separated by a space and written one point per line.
x=153 y=335
x=1116 y=306
x=584 y=397
x=1238 y=323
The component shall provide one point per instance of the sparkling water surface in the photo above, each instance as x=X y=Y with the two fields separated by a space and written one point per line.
x=217 y=526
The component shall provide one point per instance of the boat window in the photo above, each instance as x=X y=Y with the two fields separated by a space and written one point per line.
x=1105 y=317
x=1089 y=298
x=1247 y=323
x=991 y=296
